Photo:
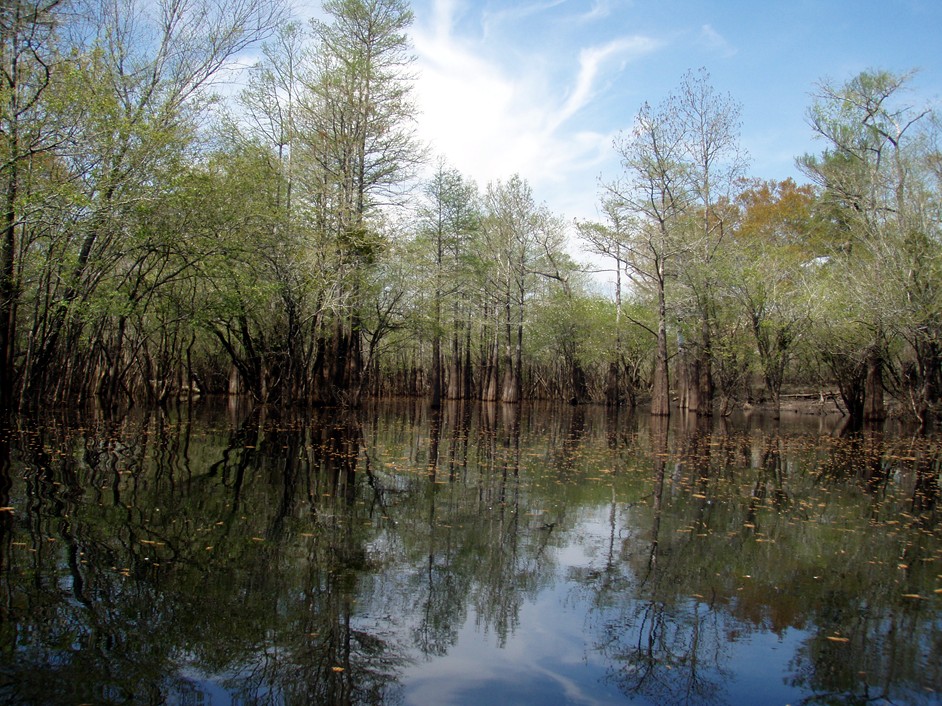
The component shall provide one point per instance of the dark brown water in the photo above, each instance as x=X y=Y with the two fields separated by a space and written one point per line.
x=486 y=555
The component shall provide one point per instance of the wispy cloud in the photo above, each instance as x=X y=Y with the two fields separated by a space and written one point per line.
x=592 y=61
x=516 y=13
x=716 y=42
x=599 y=10
x=492 y=117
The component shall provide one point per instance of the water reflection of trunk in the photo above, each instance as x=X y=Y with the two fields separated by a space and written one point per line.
x=860 y=456
x=775 y=470
x=239 y=454
x=435 y=433
x=460 y=414
x=658 y=429
x=434 y=436
x=288 y=445
x=504 y=577
x=511 y=467
x=572 y=436
x=926 y=487
x=659 y=640
x=443 y=599
x=696 y=440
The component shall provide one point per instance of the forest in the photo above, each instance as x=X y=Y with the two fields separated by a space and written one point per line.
x=295 y=242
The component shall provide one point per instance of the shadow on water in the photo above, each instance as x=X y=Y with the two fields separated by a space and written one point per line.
x=233 y=554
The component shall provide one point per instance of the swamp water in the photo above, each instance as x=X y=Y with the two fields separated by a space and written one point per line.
x=486 y=555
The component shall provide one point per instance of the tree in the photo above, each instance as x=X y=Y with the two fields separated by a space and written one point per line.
x=509 y=230
x=564 y=291
x=30 y=59
x=772 y=245
x=877 y=174
x=654 y=191
x=607 y=239
x=145 y=74
x=358 y=129
x=713 y=163
x=448 y=220
x=680 y=162
x=269 y=127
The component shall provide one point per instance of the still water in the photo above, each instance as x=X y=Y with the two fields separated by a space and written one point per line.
x=483 y=555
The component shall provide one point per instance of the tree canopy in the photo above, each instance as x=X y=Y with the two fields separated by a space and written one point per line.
x=296 y=242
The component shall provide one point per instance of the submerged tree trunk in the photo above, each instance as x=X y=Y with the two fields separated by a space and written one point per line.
x=704 y=379
x=455 y=372
x=873 y=408
x=692 y=371
x=436 y=382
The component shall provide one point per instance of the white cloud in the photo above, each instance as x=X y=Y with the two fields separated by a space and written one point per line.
x=491 y=118
x=515 y=13
x=714 y=41
x=599 y=10
x=591 y=60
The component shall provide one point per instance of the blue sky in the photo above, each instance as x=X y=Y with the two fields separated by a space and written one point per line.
x=541 y=88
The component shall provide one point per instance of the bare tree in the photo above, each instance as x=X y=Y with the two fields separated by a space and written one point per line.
x=654 y=189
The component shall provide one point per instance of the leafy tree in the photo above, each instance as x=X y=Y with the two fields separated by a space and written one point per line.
x=607 y=239
x=652 y=189
x=510 y=232
x=448 y=220
x=878 y=178
x=30 y=62
x=144 y=75
x=772 y=246
x=712 y=164
x=680 y=163
x=358 y=132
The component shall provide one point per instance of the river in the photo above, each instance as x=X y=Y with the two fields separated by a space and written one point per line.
x=220 y=554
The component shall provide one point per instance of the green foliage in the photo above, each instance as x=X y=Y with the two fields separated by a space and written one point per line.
x=152 y=230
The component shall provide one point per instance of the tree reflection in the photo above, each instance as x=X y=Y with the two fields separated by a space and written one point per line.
x=313 y=558
x=661 y=646
x=737 y=536
x=129 y=593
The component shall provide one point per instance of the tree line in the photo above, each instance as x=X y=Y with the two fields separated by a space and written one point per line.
x=297 y=243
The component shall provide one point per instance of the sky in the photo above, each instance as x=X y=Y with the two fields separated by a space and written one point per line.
x=541 y=87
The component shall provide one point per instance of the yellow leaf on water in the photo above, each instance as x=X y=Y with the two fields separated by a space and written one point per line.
x=337 y=669
x=837 y=638
x=911 y=595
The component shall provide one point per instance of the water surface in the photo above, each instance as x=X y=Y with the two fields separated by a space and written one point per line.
x=482 y=555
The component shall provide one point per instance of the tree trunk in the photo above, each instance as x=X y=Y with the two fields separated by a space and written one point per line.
x=660 y=389
x=692 y=370
x=874 y=409
x=612 y=392
x=467 y=382
x=436 y=382
x=489 y=392
x=8 y=290
x=704 y=379
x=455 y=372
